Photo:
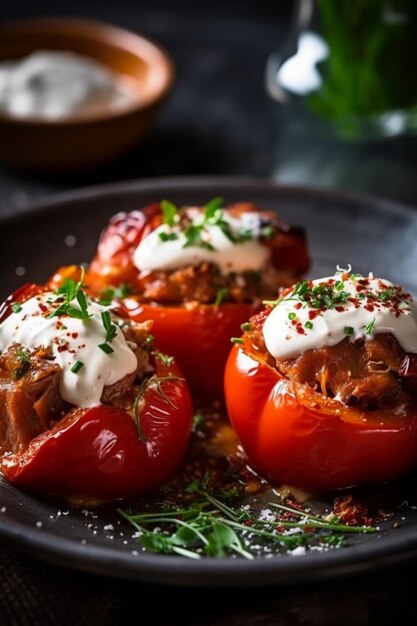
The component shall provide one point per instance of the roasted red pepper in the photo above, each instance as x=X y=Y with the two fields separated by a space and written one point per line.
x=96 y=453
x=197 y=334
x=295 y=436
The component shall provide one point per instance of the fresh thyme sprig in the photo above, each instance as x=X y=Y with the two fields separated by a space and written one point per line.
x=156 y=383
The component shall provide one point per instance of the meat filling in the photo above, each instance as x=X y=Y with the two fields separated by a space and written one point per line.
x=30 y=401
x=368 y=374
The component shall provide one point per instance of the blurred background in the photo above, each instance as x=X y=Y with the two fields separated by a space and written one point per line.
x=297 y=91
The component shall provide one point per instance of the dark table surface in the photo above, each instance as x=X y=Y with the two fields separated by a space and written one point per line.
x=219 y=120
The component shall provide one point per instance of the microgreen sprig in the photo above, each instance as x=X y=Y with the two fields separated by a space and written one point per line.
x=110 y=293
x=210 y=527
x=169 y=212
x=195 y=234
x=68 y=292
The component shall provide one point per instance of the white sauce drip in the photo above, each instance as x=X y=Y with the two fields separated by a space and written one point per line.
x=56 y=85
x=153 y=254
x=284 y=341
x=32 y=328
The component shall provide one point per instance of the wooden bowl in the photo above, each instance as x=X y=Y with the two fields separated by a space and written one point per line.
x=89 y=140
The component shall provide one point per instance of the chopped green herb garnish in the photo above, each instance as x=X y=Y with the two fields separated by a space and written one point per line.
x=109 y=327
x=316 y=296
x=169 y=212
x=199 y=422
x=236 y=340
x=387 y=294
x=76 y=367
x=23 y=355
x=348 y=330
x=16 y=307
x=110 y=293
x=212 y=207
x=308 y=325
x=246 y=327
x=292 y=316
x=268 y=231
x=164 y=358
x=194 y=237
x=369 y=328
x=168 y=236
x=106 y=348
x=221 y=296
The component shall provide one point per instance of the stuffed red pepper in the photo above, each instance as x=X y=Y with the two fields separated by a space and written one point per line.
x=198 y=273
x=89 y=410
x=322 y=386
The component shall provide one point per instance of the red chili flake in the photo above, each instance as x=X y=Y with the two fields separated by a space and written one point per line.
x=280 y=528
x=308 y=529
x=313 y=313
x=339 y=309
x=63 y=348
x=43 y=307
x=298 y=305
x=74 y=335
x=369 y=307
x=351 y=512
x=300 y=330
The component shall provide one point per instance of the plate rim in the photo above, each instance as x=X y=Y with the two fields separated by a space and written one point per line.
x=230 y=572
x=260 y=183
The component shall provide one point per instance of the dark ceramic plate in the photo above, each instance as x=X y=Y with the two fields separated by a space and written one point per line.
x=370 y=234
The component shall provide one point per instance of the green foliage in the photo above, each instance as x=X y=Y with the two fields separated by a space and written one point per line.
x=372 y=64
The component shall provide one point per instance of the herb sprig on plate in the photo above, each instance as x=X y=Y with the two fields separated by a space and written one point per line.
x=211 y=527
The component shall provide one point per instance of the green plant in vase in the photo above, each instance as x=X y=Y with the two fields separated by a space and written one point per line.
x=369 y=79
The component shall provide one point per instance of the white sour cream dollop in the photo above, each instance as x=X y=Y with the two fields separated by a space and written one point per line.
x=71 y=340
x=55 y=85
x=154 y=253
x=358 y=307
